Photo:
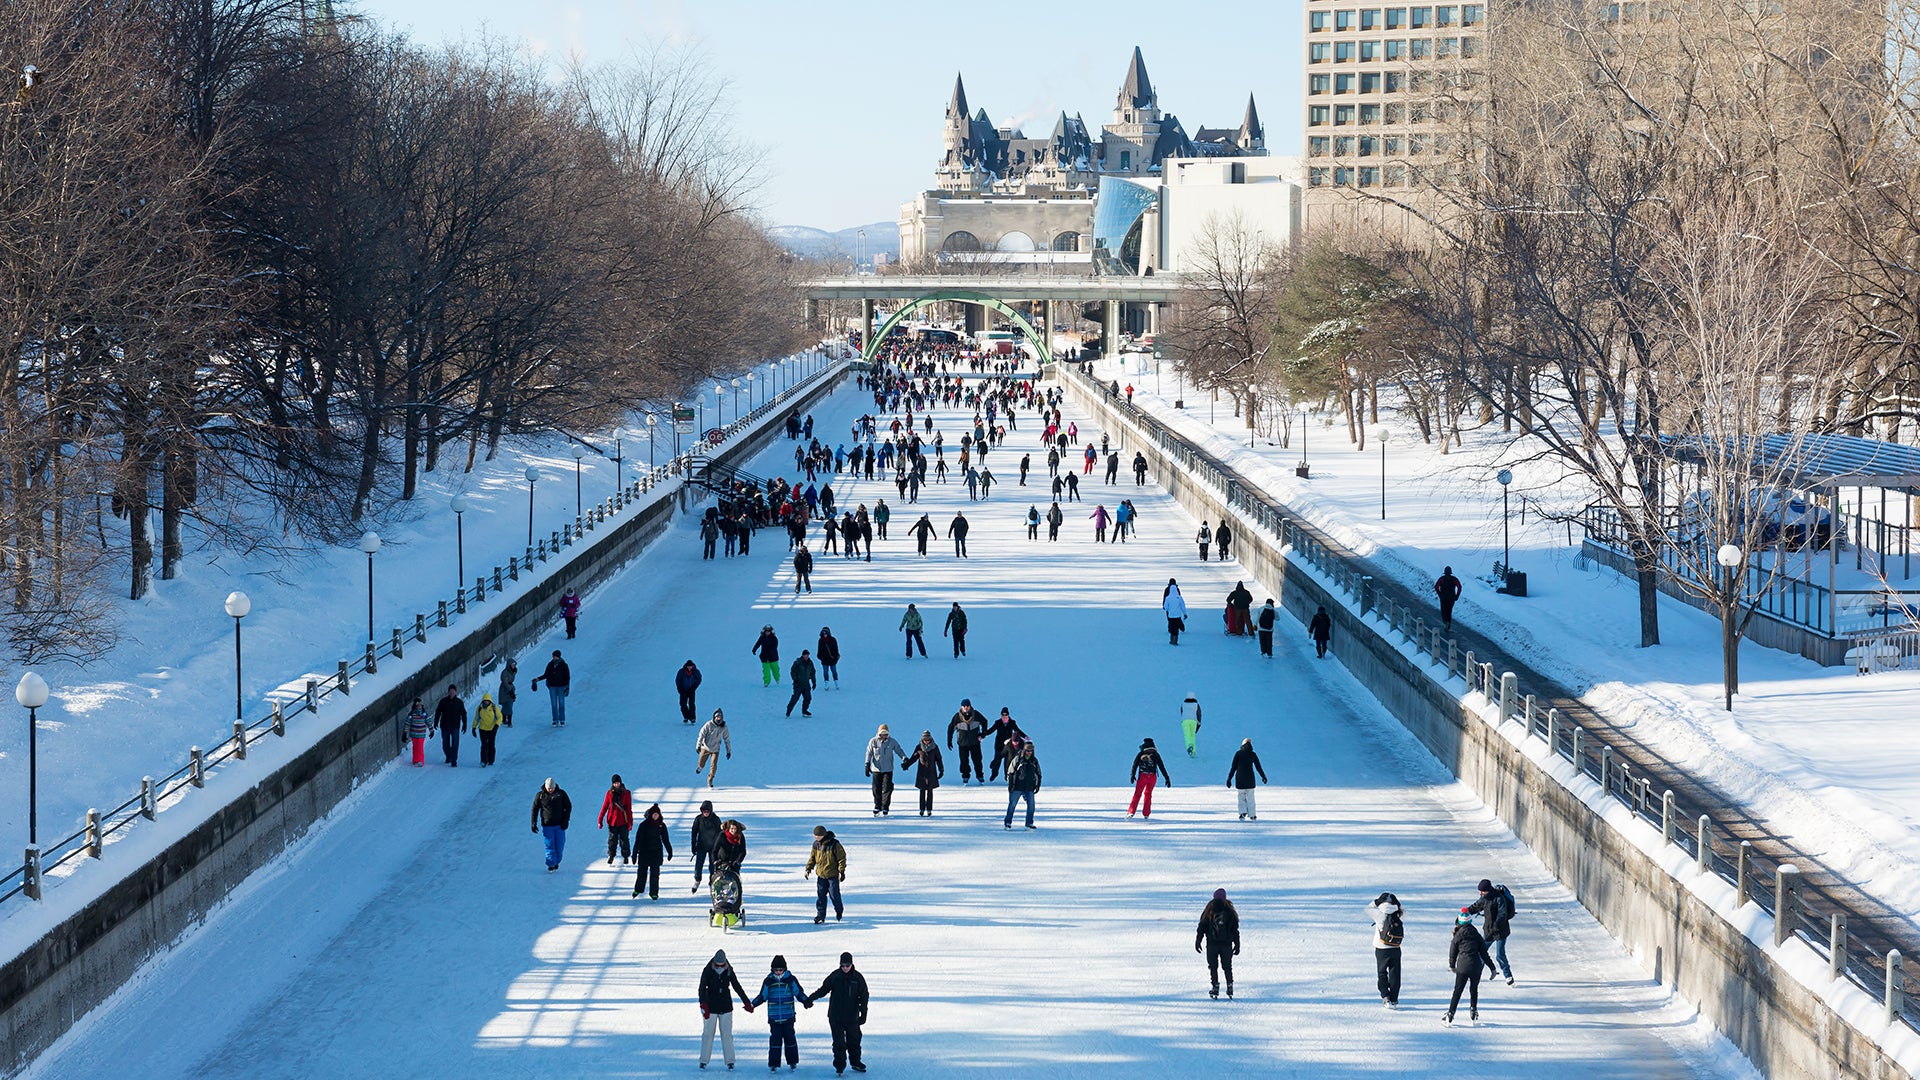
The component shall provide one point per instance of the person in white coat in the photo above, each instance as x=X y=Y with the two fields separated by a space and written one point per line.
x=1389 y=928
x=1175 y=607
x=713 y=739
x=883 y=753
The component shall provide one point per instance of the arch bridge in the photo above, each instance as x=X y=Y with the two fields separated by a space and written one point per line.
x=995 y=292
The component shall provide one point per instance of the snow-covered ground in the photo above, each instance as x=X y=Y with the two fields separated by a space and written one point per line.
x=169 y=683
x=1824 y=755
x=417 y=934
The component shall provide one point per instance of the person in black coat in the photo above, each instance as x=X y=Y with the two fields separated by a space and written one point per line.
x=1006 y=734
x=1218 y=935
x=552 y=811
x=687 y=681
x=1495 y=907
x=929 y=769
x=803 y=568
x=450 y=716
x=1147 y=768
x=1224 y=537
x=1447 y=588
x=1320 y=629
x=1240 y=776
x=1466 y=955
x=718 y=984
x=648 y=842
x=827 y=652
x=846 y=993
x=1263 y=623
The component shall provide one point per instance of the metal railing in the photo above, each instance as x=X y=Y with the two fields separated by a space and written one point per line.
x=1775 y=887
x=155 y=795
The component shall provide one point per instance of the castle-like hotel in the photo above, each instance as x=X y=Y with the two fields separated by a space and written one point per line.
x=1032 y=200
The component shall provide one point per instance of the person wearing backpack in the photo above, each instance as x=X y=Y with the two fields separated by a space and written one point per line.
x=1218 y=935
x=1389 y=930
x=1466 y=955
x=1496 y=909
x=1147 y=768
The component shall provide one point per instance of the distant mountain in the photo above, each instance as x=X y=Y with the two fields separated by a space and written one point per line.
x=883 y=238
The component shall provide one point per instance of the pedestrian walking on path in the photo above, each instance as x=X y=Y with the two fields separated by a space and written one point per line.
x=419 y=726
x=509 y=690
x=616 y=816
x=1205 y=538
x=828 y=859
x=718 y=984
x=707 y=745
x=1218 y=935
x=883 y=752
x=913 y=624
x=1175 y=608
x=778 y=991
x=1320 y=629
x=1447 y=588
x=1389 y=930
x=767 y=648
x=1147 y=767
x=1263 y=626
x=1240 y=778
x=450 y=716
x=1240 y=610
x=1190 y=723
x=650 y=842
x=929 y=768
x=1223 y=536
x=552 y=810
x=687 y=681
x=559 y=680
x=570 y=610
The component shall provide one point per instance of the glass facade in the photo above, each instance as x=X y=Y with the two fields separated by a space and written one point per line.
x=1117 y=209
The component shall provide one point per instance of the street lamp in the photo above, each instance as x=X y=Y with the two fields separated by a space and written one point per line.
x=653 y=424
x=619 y=466
x=1729 y=557
x=458 y=504
x=751 y=403
x=736 y=401
x=533 y=477
x=579 y=452
x=370 y=543
x=1381 y=435
x=1505 y=476
x=31 y=694
x=237 y=606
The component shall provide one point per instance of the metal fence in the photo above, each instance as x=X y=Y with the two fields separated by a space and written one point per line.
x=1776 y=888
x=155 y=795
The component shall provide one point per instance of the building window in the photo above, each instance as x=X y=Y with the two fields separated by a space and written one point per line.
x=1343 y=84
x=1419 y=18
x=1472 y=15
x=1393 y=145
x=1317 y=177
x=1342 y=115
x=1343 y=20
x=1126 y=160
x=1369 y=114
x=1416 y=145
x=1319 y=84
x=1443 y=16
x=1369 y=18
x=1395 y=115
x=1317 y=146
x=1396 y=82
x=1342 y=175
x=1343 y=146
x=1469 y=47
x=1420 y=48
x=1369 y=176
x=1395 y=175
x=1370 y=83
x=1369 y=52
x=1343 y=52
x=1396 y=50
x=1317 y=21
x=1316 y=115
x=1319 y=52
x=1369 y=146
x=1396 y=18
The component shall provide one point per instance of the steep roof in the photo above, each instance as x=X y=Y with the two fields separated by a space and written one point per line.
x=1137 y=91
x=957 y=105
x=1250 y=126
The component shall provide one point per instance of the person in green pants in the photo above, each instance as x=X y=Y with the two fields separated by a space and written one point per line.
x=1190 y=722
x=768 y=650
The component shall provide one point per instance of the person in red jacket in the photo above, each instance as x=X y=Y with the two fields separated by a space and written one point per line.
x=570 y=609
x=616 y=816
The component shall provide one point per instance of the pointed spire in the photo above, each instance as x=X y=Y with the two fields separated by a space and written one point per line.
x=1137 y=92
x=1250 y=127
x=957 y=106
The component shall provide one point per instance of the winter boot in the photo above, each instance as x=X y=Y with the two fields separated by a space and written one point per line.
x=1229 y=990
x=1214 y=992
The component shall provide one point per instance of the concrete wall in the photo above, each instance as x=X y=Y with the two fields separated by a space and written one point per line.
x=80 y=962
x=1777 y=1022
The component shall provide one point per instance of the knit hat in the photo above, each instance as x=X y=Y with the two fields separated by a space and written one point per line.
x=1485 y=885
x=1144 y=743
x=549 y=785
x=819 y=830
x=719 y=957
x=1463 y=918
x=846 y=958
x=616 y=778
x=1219 y=894
x=707 y=805
x=779 y=962
x=1246 y=742
x=968 y=702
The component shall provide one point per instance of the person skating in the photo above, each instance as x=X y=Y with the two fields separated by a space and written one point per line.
x=1223 y=536
x=419 y=726
x=779 y=991
x=1190 y=723
x=1073 y=487
x=1206 y=537
x=1175 y=608
x=1240 y=610
x=1320 y=629
x=1055 y=518
x=802 y=569
x=913 y=625
x=1240 y=777
x=650 y=842
x=1113 y=467
x=970 y=727
x=1447 y=588
x=922 y=531
x=956 y=628
x=883 y=752
x=1139 y=468
x=730 y=850
x=508 y=691
x=1023 y=782
x=701 y=839
x=1389 y=930
x=1218 y=935
x=846 y=992
x=718 y=984
x=570 y=610
x=687 y=682
x=1495 y=906
x=957 y=530
x=767 y=648
x=1026 y=462
x=828 y=859
x=1033 y=522
x=450 y=716
x=616 y=816
x=1147 y=767
x=559 y=680
x=707 y=745
x=827 y=652
x=1007 y=737
x=709 y=534
x=929 y=768
x=1100 y=518
x=882 y=514
x=803 y=679
x=1263 y=626
x=1466 y=956
x=551 y=812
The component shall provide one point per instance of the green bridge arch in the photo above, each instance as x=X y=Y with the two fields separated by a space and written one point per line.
x=959 y=296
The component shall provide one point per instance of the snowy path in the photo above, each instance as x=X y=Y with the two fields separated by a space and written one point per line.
x=416 y=934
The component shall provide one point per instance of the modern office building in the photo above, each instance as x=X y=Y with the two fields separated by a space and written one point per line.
x=1158 y=224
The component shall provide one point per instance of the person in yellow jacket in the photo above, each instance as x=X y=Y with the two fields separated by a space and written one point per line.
x=486 y=723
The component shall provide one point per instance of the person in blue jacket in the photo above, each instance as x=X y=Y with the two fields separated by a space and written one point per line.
x=687 y=680
x=778 y=991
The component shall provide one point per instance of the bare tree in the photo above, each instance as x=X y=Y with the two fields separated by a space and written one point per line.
x=1221 y=330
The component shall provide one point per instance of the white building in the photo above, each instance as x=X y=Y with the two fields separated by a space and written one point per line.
x=1151 y=225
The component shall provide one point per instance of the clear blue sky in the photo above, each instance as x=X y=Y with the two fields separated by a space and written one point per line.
x=844 y=98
